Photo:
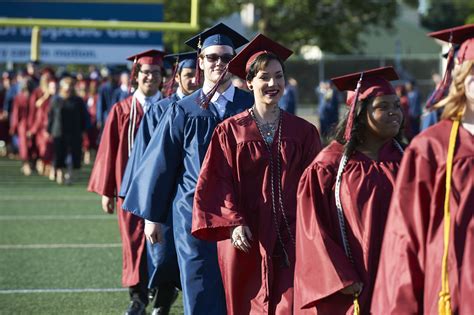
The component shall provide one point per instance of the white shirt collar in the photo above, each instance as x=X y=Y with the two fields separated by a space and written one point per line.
x=180 y=93
x=146 y=101
x=228 y=95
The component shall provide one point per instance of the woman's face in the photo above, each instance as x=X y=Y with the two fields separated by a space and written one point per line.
x=384 y=116
x=268 y=84
x=469 y=87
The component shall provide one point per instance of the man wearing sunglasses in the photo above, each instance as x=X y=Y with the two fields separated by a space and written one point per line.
x=164 y=183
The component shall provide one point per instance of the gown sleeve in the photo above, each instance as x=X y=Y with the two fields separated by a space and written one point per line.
x=145 y=131
x=215 y=208
x=400 y=279
x=317 y=248
x=152 y=189
x=102 y=180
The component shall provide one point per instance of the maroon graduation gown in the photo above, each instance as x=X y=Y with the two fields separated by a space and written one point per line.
x=234 y=189
x=105 y=179
x=322 y=268
x=19 y=124
x=39 y=129
x=409 y=276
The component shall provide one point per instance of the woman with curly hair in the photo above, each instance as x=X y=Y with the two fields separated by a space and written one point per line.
x=343 y=199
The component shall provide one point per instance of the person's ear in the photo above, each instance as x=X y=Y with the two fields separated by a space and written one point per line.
x=249 y=85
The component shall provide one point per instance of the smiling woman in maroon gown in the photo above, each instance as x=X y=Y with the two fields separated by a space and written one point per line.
x=343 y=199
x=246 y=194
x=427 y=256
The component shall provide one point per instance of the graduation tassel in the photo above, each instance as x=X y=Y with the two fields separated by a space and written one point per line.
x=132 y=76
x=444 y=302
x=168 y=87
x=440 y=92
x=197 y=75
x=356 y=304
x=350 y=118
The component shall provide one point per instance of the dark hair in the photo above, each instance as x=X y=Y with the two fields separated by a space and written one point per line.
x=134 y=79
x=261 y=62
x=359 y=127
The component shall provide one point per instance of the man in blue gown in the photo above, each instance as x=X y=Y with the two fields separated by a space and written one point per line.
x=165 y=181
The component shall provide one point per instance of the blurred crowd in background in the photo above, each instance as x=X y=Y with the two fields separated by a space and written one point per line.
x=51 y=119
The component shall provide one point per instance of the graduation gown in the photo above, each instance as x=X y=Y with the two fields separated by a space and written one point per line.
x=19 y=125
x=105 y=179
x=322 y=267
x=89 y=140
x=39 y=129
x=409 y=277
x=162 y=259
x=166 y=180
x=234 y=188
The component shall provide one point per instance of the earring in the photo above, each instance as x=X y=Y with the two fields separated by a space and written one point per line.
x=250 y=87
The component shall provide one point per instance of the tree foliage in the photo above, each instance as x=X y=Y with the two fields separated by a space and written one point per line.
x=446 y=14
x=333 y=25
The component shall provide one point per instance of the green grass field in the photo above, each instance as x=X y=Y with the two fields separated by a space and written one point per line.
x=59 y=253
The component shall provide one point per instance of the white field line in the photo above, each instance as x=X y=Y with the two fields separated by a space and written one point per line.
x=85 y=290
x=58 y=246
x=56 y=217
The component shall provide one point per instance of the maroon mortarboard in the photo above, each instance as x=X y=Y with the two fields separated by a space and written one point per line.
x=47 y=70
x=364 y=85
x=261 y=44
x=148 y=57
x=460 y=35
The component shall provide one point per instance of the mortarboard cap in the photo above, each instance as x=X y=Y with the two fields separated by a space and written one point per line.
x=460 y=35
x=219 y=34
x=363 y=85
x=149 y=57
x=183 y=60
x=374 y=83
x=241 y=63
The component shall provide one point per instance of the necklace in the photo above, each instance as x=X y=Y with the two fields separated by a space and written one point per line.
x=267 y=129
x=286 y=260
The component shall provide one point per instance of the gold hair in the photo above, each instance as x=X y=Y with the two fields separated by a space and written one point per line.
x=455 y=102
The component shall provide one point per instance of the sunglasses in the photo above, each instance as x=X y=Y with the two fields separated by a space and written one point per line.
x=225 y=58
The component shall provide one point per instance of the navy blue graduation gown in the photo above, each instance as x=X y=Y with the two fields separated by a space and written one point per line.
x=162 y=260
x=166 y=179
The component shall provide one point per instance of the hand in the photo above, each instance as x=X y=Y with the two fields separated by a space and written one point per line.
x=153 y=232
x=354 y=288
x=240 y=237
x=108 y=204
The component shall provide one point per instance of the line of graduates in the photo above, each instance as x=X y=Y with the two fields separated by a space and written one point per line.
x=222 y=194
x=27 y=99
x=49 y=121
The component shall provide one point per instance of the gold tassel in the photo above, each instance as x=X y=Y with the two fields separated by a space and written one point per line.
x=356 y=304
x=444 y=302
